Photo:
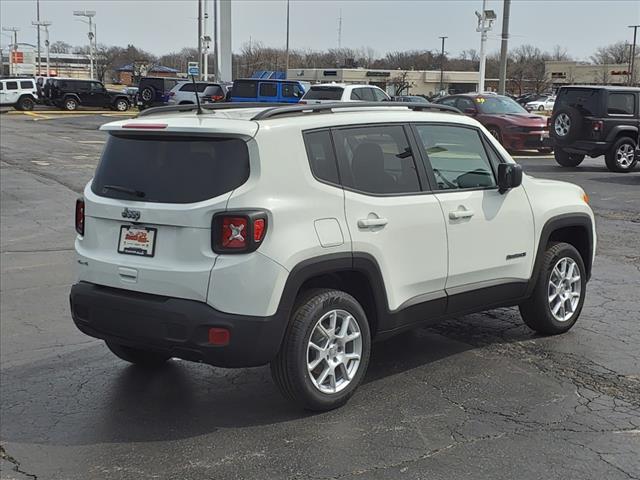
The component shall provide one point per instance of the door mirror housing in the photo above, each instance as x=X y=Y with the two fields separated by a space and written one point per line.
x=509 y=176
x=470 y=111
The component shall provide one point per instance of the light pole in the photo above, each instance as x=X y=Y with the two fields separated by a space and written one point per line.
x=502 y=85
x=88 y=14
x=38 y=25
x=15 y=30
x=485 y=22
x=442 y=65
x=45 y=24
x=286 y=58
x=633 y=52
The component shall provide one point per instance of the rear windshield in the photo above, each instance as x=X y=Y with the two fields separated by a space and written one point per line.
x=586 y=100
x=324 y=93
x=154 y=168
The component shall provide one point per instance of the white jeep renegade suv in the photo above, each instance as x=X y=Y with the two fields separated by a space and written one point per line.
x=297 y=235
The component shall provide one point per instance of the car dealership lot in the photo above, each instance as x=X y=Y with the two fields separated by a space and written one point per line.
x=477 y=396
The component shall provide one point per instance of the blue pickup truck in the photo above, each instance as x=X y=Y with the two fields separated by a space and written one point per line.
x=267 y=90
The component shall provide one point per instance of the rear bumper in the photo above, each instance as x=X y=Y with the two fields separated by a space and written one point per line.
x=175 y=326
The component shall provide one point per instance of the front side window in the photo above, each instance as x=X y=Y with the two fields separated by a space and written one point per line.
x=457 y=157
x=451 y=101
x=378 y=95
x=358 y=94
x=376 y=159
x=12 y=85
x=96 y=87
x=268 y=89
x=321 y=157
x=620 y=104
x=291 y=90
x=465 y=103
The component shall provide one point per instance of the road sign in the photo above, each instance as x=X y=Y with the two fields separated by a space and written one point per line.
x=193 y=69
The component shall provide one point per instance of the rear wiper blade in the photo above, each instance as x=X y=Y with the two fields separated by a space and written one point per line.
x=130 y=191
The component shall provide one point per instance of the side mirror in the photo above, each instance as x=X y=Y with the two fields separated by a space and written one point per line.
x=470 y=111
x=509 y=176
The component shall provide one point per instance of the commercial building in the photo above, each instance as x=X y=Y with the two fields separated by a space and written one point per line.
x=583 y=73
x=420 y=82
x=130 y=74
x=23 y=61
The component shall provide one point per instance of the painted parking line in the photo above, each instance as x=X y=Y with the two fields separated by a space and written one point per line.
x=97 y=142
x=37 y=116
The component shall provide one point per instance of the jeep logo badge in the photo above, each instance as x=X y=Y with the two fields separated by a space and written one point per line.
x=132 y=214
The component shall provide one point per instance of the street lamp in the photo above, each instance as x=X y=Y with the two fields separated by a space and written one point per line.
x=88 y=14
x=485 y=22
x=442 y=65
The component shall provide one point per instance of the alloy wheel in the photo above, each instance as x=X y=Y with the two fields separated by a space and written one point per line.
x=334 y=351
x=564 y=289
x=625 y=155
x=562 y=125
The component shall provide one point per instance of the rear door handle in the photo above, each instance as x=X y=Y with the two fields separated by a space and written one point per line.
x=372 y=222
x=458 y=214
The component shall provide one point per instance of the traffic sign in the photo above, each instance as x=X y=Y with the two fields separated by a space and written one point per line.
x=193 y=69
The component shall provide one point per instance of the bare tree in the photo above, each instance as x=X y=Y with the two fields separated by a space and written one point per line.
x=60 y=47
x=614 y=53
x=401 y=83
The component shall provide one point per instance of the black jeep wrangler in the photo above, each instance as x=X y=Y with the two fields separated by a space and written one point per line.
x=69 y=94
x=594 y=121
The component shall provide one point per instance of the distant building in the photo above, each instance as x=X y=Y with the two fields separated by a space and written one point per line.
x=127 y=76
x=581 y=73
x=23 y=61
x=421 y=82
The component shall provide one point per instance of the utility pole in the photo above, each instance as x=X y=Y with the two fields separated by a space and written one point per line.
x=485 y=22
x=200 y=35
x=38 y=24
x=45 y=25
x=12 y=67
x=633 y=53
x=502 y=86
x=216 y=71
x=286 y=58
x=442 y=64
x=206 y=42
x=88 y=14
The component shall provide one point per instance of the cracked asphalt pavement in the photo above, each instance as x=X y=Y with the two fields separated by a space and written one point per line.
x=479 y=396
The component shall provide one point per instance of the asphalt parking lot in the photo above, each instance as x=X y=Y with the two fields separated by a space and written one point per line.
x=479 y=396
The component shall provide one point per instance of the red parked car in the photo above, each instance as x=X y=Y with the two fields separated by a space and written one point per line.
x=509 y=122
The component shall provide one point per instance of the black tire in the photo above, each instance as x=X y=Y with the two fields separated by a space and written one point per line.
x=289 y=368
x=138 y=356
x=541 y=108
x=495 y=131
x=147 y=95
x=621 y=156
x=536 y=311
x=567 y=159
x=565 y=124
x=26 y=104
x=70 y=104
x=121 y=105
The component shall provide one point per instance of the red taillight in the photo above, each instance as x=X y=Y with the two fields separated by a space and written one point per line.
x=597 y=126
x=219 y=336
x=234 y=232
x=217 y=98
x=171 y=94
x=258 y=229
x=80 y=216
x=238 y=232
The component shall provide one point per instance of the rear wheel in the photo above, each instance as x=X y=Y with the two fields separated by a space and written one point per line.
x=25 y=103
x=567 y=159
x=557 y=299
x=70 y=104
x=147 y=94
x=138 y=356
x=325 y=352
x=621 y=157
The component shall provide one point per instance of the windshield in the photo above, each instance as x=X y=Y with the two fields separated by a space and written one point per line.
x=324 y=93
x=498 y=105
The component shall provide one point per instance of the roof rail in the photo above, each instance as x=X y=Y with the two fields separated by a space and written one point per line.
x=329 y=107
x=211 y=107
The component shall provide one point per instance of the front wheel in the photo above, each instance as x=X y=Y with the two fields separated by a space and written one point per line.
x=122 y=105
x=558 y=296
x=565 y=159
x=138 y=356
x=541 y=108
x=325 y=352
x=621 y=158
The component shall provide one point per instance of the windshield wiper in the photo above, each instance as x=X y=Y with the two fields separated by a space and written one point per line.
x=130 y=191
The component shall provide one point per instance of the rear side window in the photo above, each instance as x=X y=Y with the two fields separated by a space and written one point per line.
x=214 y=90
x=12 y=85
x=321 y=156
x=268 y=90
x=457 y=157
x=245 y=89
x=290 y=90
x=586 y=100
x=620 y=104
x=376 y=159
x=26 y=85
x=170 y=169
x=324 y=93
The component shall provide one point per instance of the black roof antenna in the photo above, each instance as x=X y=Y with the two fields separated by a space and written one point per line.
x=195 y=91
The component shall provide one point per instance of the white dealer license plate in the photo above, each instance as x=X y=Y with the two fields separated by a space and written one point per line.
x=137 y=240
